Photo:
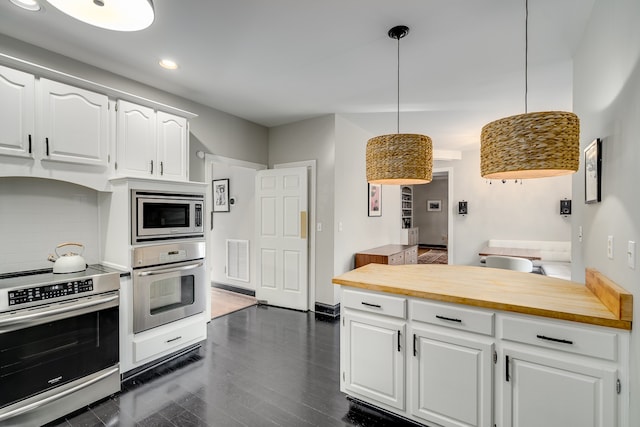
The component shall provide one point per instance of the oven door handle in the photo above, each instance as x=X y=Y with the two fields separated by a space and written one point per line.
x=46 y=313
x=170 y=270
x=67 y=392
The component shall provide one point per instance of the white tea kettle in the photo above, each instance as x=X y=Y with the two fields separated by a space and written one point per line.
x=70 y=262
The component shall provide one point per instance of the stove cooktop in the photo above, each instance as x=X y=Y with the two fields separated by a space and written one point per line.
x=35 y=287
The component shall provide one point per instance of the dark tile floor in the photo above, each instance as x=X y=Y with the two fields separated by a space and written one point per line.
x=261 y=366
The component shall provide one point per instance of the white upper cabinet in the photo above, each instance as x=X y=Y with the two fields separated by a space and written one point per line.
x=17 y=107
x=151 y=144
x=74 y=124
x=173 y=145
x=136 y=140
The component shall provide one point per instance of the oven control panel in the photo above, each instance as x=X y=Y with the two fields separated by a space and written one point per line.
x=56 y=290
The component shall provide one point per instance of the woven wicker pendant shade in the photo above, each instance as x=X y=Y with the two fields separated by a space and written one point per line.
x=399 y=159
x=532 y=145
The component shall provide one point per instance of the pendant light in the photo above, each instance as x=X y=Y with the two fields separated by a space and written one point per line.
x=530 y=145
x=399 y=159
x=116 y=15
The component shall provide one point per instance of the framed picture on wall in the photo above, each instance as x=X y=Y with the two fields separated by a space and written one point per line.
x=434 y=205
x=374 y=199
x=221 y=195
x=593 y=171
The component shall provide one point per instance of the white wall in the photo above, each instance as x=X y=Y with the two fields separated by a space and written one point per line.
x=313 y=139
x=238 y=223
x=527 y=211
x=607 y=100
x=38 y=214
x=359 y=231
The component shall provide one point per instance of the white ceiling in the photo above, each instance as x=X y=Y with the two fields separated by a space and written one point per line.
x=278 y=61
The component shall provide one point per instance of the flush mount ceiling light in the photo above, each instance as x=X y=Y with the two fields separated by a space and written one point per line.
x=168 y=64
x=30 y=5
x=401 y=158
x=117 y=15
x=530 y=145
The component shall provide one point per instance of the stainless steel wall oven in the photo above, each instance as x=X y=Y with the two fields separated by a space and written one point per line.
x=168 y=283
x=59 y=344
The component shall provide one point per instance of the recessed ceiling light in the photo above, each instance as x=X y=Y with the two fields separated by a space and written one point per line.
x=168 y=64
x=117 y=15
x=31 y=5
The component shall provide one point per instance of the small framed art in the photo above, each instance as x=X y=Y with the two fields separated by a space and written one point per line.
x=221 y=195
x=593 y=172
x=374 y=199
x=434 y=205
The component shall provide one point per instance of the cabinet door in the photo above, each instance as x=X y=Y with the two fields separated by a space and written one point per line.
x=172 y=137
x=545 y=391
x=74 y=124
x=136 y=140
x=451 y=379
x=17 y=112
x=374 y=366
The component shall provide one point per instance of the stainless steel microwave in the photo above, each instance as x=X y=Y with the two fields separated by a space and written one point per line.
x=157 y=216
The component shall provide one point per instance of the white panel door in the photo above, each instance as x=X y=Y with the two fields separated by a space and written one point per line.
x=172 y=136
x=17 y=112
x=74 y=124
x=282 y=244
x=136 y=140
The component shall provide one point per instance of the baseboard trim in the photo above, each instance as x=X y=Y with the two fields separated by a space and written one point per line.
x=328 y=310
x=233 y=289
x=426 y=246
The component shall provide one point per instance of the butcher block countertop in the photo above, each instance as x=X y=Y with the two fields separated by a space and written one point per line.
x=599 y=302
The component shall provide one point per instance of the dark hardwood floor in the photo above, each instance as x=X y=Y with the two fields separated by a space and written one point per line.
x=261 y=366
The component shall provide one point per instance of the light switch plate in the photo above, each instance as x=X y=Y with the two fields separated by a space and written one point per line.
x=631 y=254
x=610 y=247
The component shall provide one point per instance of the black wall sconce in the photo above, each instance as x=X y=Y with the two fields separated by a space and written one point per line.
x=463 y=208
x=565 y=207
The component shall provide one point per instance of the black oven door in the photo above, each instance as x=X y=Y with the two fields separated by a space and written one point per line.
x=44 y=348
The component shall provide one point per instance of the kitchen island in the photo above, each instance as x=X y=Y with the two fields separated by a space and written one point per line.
x=475 y=346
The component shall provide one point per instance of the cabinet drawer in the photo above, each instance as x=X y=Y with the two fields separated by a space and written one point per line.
x=157 y=343
x=396 y=259
x=452 y=316
x=375 y=303
x=411 y=256
x=567 y=338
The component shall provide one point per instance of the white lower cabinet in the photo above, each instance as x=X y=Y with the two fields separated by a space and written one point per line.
x=374 y=368
x=562 y=374
x=451 y=378
x=541 y=390
x=462 y=366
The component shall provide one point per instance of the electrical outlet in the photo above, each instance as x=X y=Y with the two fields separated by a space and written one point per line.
x=631 y=254
x=580 y=233
x=610 y=247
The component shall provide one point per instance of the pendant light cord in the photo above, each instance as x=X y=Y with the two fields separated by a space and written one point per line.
x=526 y=54
x=398 y=91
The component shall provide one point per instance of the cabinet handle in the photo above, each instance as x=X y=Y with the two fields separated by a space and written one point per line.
x=174 y=339
x=415 y=350
x=29 y=143
x=507 y=367
x=450 y=319
x=151 y=167
x=398 y=340
x=161 y=168
x=46 y=141
x=543 y=337
x=368 y=304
